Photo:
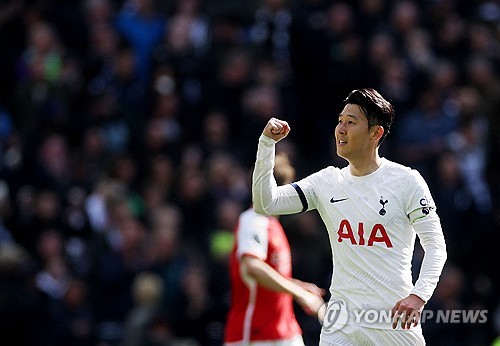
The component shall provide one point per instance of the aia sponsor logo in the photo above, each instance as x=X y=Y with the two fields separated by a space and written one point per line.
x=374 y=234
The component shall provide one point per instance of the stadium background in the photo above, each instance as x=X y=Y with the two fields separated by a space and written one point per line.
x=128 y=128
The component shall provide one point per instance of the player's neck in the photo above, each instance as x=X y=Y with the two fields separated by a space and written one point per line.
x=365 y=165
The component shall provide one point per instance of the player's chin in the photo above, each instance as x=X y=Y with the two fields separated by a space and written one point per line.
x=341 y=151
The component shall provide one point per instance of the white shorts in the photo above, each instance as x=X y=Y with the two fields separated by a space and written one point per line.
x=297 y=341
x=358 y=335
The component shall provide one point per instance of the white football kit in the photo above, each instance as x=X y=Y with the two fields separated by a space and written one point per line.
x=372 y=221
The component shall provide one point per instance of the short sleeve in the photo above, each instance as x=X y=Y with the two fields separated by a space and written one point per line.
x=252 y=235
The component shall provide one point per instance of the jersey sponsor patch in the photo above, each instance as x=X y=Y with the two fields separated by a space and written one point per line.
x=256 y=238
x=424 y=210
x=378 y=234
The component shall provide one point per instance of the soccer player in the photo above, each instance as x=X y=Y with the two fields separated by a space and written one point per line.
x=373 y=209
x=263 y=290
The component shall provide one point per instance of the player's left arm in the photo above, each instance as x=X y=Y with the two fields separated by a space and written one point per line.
x=431 y=237
x=422 y=214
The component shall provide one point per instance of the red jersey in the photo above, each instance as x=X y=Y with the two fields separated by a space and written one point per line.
x=256 y=313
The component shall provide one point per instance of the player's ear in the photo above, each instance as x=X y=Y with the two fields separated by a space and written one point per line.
x=378 y=132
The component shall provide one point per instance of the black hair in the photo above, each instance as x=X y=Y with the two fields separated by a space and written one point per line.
x=377 y=109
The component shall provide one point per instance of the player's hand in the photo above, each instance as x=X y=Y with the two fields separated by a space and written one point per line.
x=407 y=310
x=311 y=303
x=310 y=287
x=276 y=129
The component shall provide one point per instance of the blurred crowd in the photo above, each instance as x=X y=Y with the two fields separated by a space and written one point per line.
x=128 y=129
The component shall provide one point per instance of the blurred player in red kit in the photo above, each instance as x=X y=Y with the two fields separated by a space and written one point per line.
x=261 y=312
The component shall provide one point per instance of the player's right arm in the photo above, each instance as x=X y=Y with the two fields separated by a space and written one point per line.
x=268 y=198
x=265 y=276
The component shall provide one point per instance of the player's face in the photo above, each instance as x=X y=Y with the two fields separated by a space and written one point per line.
x=353 y=137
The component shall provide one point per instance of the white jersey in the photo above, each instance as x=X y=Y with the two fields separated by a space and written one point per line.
x=372 y=222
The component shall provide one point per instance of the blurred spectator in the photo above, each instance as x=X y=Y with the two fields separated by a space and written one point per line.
x=380 y=48
x=233 y=76
x=96 y=203
x=419 y=52
x=448 y=295
x=270 y=31
x=5 y=127
x=450 y=36
x=228 y=33
x=13 y=161
x=163 y=128
x=116 y=97
x=227 y=179
x=90 y=159
x=453 y=201
x=78 y=232
x=22 y=307
x=468 y=143
x=53 y=164
x=221 y=244
x=485 y=80
x=5 y=211
x=104 y=43
x=158 y=184
x=54 y=276
x=142 y=25
x=147 y=293
x=40 y=98
x=119 y=256
x=184 y=48
x=167 y=254
x=404 y=18
x=372 y=16
x=11 y=37
x=395 y=82
x=257 y=103
x=193 y=198
x=200 y=318
x=215 y=135
x=73 y=320
x=98 y=11
x=423 y=132
x=42 y=213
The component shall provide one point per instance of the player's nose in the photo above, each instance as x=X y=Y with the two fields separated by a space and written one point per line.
x=340 y=129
